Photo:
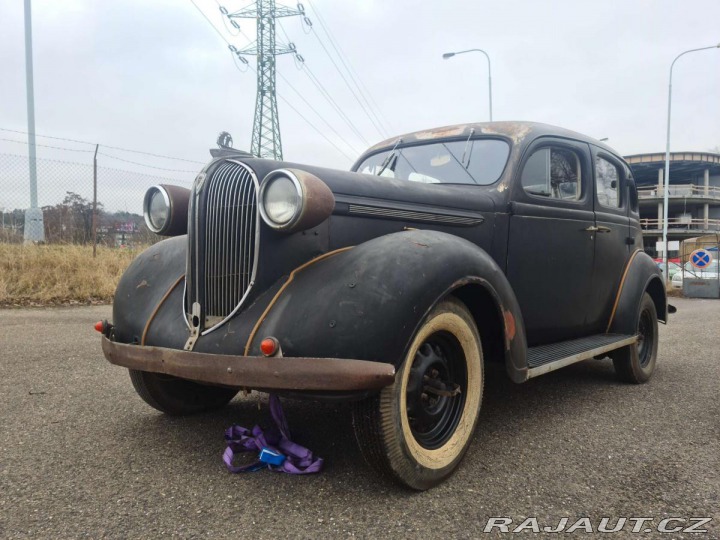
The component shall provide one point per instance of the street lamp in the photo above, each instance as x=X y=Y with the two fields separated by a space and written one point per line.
x=666 y=182
x=451 y=54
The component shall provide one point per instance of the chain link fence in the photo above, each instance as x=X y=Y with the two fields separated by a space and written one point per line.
x=66 y=178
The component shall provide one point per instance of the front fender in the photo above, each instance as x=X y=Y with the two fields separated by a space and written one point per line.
x=641 y=275
x=148 y=279
x=368 y=302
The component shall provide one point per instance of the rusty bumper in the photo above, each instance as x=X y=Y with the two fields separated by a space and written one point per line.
x=329 y=374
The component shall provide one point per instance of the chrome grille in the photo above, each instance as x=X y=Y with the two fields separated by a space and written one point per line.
x=223 y=241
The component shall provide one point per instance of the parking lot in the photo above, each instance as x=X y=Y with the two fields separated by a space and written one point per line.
x=83 y=456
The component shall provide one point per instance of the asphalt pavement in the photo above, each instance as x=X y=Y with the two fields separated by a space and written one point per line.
x=81 y=456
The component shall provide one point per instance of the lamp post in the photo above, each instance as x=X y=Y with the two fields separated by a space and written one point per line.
x=666 y=180
x=451 y=54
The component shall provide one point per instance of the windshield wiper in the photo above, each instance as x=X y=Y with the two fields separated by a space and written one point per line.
x=472 y=132
x=389 y=158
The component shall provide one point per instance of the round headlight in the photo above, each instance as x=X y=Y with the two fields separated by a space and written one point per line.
x=281 y=200
x=293 y=200
x=159 y=210
x=165 y=209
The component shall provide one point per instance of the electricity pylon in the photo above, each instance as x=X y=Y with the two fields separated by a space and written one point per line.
x=266 y=140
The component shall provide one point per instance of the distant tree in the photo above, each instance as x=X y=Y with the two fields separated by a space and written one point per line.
x=70 y=221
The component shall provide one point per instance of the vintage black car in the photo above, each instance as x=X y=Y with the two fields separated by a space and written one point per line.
x=392 y=285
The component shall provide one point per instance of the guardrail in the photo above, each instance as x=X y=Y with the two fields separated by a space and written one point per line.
x=682 y=223
x=680 y=190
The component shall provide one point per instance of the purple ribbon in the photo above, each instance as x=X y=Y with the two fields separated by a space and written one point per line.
x=298 y=459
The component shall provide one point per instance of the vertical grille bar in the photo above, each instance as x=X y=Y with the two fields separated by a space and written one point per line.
x=225 y=241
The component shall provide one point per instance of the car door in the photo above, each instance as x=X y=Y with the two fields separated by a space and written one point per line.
x=612 y=241
x=550 y=242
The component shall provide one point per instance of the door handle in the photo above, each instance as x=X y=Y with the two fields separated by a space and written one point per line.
x=598 y=229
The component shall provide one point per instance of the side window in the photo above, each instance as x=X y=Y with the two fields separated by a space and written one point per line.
x=553 y=173
x=608 y=182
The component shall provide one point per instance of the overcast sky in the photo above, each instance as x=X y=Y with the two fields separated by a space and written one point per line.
x=155 y=76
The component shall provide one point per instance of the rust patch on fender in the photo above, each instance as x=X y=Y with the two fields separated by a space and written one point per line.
x=509 y=319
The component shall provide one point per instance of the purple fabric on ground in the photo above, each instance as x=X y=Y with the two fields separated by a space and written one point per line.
x=299 y=460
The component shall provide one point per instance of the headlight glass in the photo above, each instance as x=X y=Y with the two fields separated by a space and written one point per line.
x=158 y=211
x=281 y=200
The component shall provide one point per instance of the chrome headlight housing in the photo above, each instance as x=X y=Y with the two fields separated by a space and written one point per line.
x=281 y=199
x=294 y=200
x=165 y=209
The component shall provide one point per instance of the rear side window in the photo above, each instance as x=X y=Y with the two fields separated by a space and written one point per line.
x=607 y=183
x=554 y=173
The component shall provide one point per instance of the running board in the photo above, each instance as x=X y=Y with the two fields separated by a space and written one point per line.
x=546 y=358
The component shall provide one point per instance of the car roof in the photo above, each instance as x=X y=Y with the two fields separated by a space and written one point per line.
x=517 y=131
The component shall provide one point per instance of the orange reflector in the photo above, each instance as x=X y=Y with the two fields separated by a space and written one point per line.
x=269 y=346
x=99 y=326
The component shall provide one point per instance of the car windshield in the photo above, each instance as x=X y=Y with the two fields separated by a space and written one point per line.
x=471 y=161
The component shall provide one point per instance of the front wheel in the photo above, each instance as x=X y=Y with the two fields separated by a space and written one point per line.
x=418 y=429
x=179 y=397
x=636 y=363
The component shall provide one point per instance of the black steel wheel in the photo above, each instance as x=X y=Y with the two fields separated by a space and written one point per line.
x=418 y=429
x=636 y=363
x=179 y=397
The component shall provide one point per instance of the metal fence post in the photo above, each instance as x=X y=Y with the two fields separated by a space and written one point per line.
x=94 y=215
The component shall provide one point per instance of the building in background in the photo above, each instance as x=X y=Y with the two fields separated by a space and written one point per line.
x=693 y=196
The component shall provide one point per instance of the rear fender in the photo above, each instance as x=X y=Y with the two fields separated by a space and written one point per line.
x=641 y=275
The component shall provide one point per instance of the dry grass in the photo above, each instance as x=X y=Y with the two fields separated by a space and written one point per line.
x=60 y=274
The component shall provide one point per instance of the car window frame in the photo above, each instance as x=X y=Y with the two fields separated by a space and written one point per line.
x=622 y=188
x=583 y=153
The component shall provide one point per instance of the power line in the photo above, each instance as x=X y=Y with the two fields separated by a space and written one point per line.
x=46 y=146
x=331 y=100
x=210 y=22
x=237 y=53
x=145 y=165
x=349 y=67
x=314 y=127
x=93 y=144
x=233 y=23
x=308 y=122
x=305 y=119
x=88 y=165
x=266 y=138
x=380 y=130
x=318 y=114
x=328 y=97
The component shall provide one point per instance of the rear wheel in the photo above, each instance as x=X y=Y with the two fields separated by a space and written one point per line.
x=179 y=397
x=418 y=429
x=636 y=363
